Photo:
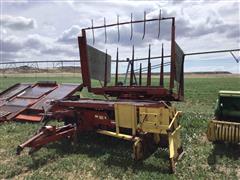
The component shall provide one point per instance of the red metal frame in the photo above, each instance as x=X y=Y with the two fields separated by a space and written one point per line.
x=133 y=91
x=92 y=115
x=83 y=115
x=46 y=135
x=25 y=102
x=82 y=43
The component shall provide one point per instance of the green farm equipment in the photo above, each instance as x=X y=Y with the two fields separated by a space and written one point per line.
x=226 y=125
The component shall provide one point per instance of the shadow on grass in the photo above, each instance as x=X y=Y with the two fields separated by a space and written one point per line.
x=231 y=151
x=110 y=152
x=153 y=165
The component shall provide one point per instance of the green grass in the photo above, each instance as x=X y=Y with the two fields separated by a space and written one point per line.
x=101 y=157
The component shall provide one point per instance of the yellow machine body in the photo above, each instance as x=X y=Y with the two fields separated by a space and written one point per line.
x=125 y=116
x=226 y=125
x=160 y=123
x=223 y=131
x=154 y=120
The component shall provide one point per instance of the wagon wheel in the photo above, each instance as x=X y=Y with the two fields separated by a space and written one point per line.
x=138 y=150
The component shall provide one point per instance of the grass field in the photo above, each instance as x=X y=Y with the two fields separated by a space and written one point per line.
x=100 y=157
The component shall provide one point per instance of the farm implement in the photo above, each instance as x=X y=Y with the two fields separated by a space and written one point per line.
x=130 y=97
x=145 y=124
x=226 y=125
x=27 y=101
x=131 y=109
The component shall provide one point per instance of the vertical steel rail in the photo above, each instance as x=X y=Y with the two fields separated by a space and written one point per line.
x=173 y=57
x=82 y=43
x=140 y=75
x=126 y=74
x=144 y=25
x=135 y=79
x=118 y=28
x=93 y=36
x=149 y=67
x=105 y=30
x=181 y=83
x=116 y=73
x=131 y=36
x=159 y=22
x=105 y=72
x=132 y=67
x=161 y=69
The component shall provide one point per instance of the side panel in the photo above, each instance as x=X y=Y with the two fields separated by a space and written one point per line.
x=174 y=143
x=125 y=116
x=96 y=61
x=154 y=120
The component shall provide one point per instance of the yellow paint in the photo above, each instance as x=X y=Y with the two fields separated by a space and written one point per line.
x=174 y=137
x=118 y=135
x=223 y=131
x=125 y=116
x=156 y=121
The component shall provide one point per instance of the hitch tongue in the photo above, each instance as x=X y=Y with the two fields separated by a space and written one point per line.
x=47 y=135
x=28 y=142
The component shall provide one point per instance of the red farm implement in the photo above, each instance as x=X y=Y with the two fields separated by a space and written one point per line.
x=137 y=108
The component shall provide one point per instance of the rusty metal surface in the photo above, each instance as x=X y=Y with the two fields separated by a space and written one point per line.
x=104 y=104
x=62 y=91
x=46 y=135
x=14 y=107
x=37 y=91
x=34 y=118
x=9 y=111
x=2 y=101
x=4 y=113
x=21 y=102
x=22 y=97
x=13 y=90
x=137 y=92
x=82 y=43
x=10 y=103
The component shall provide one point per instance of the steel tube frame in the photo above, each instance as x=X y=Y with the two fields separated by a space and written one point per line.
x=148 y=91
x=138 y=59
x=161 y=69
x=129 y=22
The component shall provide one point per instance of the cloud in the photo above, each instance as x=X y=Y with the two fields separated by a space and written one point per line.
x=70 y=35
x=18 y=23
x=34 y=46
x=35 y=41
x=217 y=26
x=151 y=32
x=14 y=44
x=3 y=31
x=60 y=50
x=200 y=26
x=234 y=33
x=10 y=44
x=185 y=28
x=10 y=56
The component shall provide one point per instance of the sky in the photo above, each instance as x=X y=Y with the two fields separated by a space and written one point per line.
x=47 y=30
